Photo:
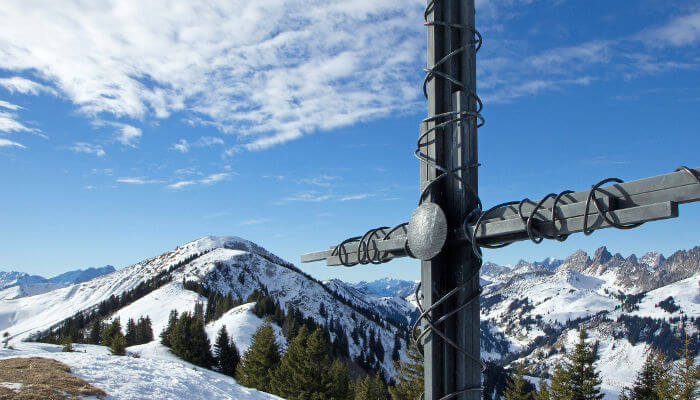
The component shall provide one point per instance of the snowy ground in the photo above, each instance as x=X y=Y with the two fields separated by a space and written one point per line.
x=161 y=377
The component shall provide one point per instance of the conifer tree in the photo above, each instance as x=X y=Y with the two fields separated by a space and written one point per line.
x=225 y=353
x=576 y=378
x=410 y=378
x=144 y=330
x=339 y=383
x=130 y=333
x=685 y=376
x=370 y=388
x=118 y=344
x=260 y=360
x=165 y=335
x=648 y=377
x=95 y=332
x=517 y=386
x=110 y=331
x=542 y=392
x=560 y=389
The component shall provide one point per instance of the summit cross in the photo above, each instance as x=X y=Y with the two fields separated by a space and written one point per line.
x=449 y=227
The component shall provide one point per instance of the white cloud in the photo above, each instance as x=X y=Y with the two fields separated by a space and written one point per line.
x=137 y=180
x=88 y=148
x=321 y=180
x=681 y=31
x=24 y=86
x=181 y=184
x=182 y=146
x=310 y=196
x=9 y=106
x=6 y=142
x=206 y=141
x=268 y=71
x=213 y=178
x=356 y=197
x=126 y=134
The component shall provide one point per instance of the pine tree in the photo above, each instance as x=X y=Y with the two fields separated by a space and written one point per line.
x=370 y=388
x=304 y=371
x=410 y=374
x=118 y=344
x=144 y=330
x=260 y=360
x=339 y=384
x=95 y=332
x=560 y=389
x=130 y=333
x=111 y=331
x=516 y=388
x=165 y=335
x=225 y=353
x=289 y=380
x=648 y=377
x=576 y=378
x=542 y=392
x=685 y=376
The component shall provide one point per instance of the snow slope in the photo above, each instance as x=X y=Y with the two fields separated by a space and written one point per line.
x=140 y=378
x=225 y=264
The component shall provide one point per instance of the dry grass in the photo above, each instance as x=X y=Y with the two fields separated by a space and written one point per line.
x=42 y=378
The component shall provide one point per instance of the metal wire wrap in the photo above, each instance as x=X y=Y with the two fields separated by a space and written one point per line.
x=441 y=122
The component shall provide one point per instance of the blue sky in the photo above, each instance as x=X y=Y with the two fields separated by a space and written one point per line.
x=127 y=128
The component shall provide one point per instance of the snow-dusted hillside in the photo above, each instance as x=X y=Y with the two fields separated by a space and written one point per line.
x=533 y=310
x=224 y=264
x=130 y=378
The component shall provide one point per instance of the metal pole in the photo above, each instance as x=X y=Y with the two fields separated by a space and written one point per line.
x=446 y=369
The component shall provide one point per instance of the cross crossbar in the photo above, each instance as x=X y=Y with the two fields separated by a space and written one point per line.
x=638 y=201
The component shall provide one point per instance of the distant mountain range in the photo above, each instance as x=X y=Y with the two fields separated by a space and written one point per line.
x=15 y=284
x=530 y=311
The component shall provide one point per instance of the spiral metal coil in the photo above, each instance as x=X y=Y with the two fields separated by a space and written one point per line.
x=441 y=122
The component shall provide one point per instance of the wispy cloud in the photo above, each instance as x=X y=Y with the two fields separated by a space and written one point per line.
x=88 y=148
x=206 y=141
x=255 y=222
x=9 y=120
x=310 y=196
x=680 y=31
x=356 y=197
x=25 y=86
x=182 y=146
x=268 y=71
x=9 y=106
x=127 y=135
x=181 y=184
x=321 y=180
x=138 y=180
x=8 y=143
x=213 y=178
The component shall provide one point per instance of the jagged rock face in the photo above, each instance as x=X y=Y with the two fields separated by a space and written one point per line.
x=680 y=265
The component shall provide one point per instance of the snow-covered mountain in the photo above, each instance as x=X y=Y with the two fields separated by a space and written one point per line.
x=15 y=284
x=228 y=265
x=530 y=310
x=387 y=287
x=14 y=278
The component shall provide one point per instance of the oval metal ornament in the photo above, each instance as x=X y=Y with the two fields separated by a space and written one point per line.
x=427 y=231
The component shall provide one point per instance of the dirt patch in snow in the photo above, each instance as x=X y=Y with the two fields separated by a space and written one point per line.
x=41 y=378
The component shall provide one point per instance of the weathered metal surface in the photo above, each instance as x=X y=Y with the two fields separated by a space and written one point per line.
x=427 y=231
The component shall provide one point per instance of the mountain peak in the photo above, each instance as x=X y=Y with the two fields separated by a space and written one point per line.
x=602 y=256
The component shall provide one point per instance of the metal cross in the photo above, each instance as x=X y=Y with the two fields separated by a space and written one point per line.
x=449 y=227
